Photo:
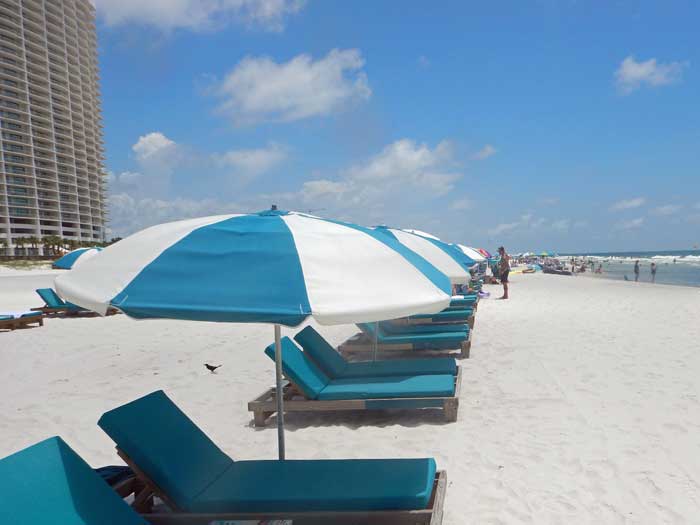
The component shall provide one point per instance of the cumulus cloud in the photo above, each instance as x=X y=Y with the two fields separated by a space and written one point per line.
x=198 y=15
x=247 y=164
x=667 y=209
x=485 y=152
x=413 y=174
x=152 y=144
x=630 y=224
x=628 y=204
x=129 y=214
x=561 y=225
x=631 y=74
x=262 y=90
x=504 y=228
x=461 y=204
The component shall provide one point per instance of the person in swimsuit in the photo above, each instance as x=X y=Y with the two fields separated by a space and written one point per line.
x=504 y=270
x=636 y=271
x=653 y=272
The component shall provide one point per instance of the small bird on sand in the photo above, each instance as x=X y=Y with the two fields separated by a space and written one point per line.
x=212 y=368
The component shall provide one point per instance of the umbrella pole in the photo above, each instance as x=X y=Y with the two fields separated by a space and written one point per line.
x=374 y=345
x=279 y=393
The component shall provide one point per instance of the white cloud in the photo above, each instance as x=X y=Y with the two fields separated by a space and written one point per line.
x=152 y=144
x=405 y=172
x=504 y=228
x=630 y=224
x=628 y=204
x=259 y=89
x=129 y=214
x=667 y=209
x=198 y=15
x=251 y=163
x=485 y=152
x=631 y=75
x=461 y=204
x=549 y=201
x=561 y=225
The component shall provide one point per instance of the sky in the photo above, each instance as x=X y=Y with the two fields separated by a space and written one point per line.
x=538 y=125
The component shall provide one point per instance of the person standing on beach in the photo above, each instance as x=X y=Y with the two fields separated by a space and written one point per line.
x=504 y=270
x=636 y=271
x=653 y=272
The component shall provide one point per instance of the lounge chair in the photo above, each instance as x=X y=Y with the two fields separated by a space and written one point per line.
x=310 y=389
x=336 y=367
x=464 y=301
x=201 y=484
x=24 y=320
x=55 y=306
x=49 y=483
x=398 y=328
x=364 y=341
x=446 y=317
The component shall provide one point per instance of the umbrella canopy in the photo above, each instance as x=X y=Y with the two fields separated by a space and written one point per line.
x=270 y=267
x=441 y=255
x=76 y=257
x=472 y=253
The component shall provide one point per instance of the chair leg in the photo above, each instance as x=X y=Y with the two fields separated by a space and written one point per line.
x=451 y=407
x=466 y=347
x=143 y=502
x=260 y=418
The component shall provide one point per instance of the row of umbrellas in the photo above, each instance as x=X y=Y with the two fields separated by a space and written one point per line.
x=273 y=267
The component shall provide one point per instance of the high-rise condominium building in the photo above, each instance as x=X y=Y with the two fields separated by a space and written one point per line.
x=51 y=153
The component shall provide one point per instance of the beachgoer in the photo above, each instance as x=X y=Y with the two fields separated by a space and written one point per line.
x=504 y=270
x=636 y=271
x=653 y=272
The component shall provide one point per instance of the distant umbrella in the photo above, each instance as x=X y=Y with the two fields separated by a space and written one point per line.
x=75 y=258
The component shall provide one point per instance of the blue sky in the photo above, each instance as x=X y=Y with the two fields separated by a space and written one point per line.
x=547 y=124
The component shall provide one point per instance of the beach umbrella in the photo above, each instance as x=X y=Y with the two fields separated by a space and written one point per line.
x=75 y=258
x=271 y=267
x=446 y=258
x=484 y=253
x=472 y=253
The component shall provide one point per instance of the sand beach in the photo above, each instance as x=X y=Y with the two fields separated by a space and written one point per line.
x=580 y=402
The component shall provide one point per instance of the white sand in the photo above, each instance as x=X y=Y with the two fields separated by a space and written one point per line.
x=580 y=404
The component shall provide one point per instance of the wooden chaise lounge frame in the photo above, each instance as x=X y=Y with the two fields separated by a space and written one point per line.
x=144 y=490
x=49 y=311
x=265 y=405
x=21 y=322
x=361 y=343
x=407 y=321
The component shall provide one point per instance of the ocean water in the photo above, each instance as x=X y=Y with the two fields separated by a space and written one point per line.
x=680 y=267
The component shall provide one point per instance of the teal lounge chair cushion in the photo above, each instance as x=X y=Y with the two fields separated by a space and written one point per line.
x=389 y=387
x=336 y=367
x=164 y=442
x=48 y=483
x=402 y=367
x=170 y=449
x=320 y=485
x=321 y=352
x=6 y=317
x=447 y=315
x=300 y=369
x=402 y=329
x=442 y=339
